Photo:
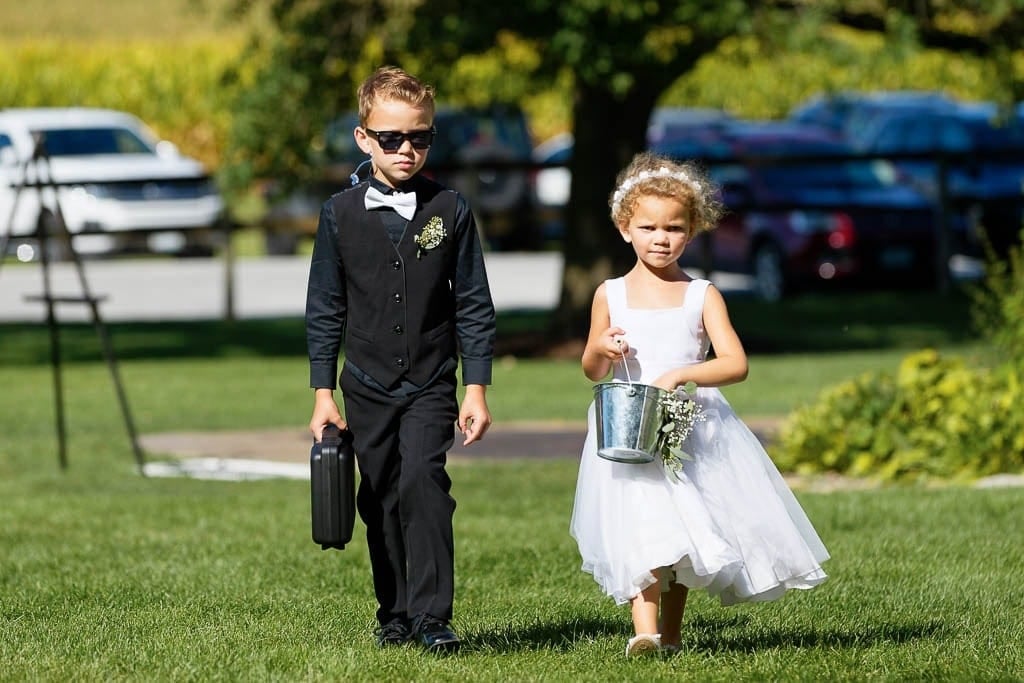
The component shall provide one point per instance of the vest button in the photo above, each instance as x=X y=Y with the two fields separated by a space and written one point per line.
x=397 y=329
x=396 y=264
x=400 y=362
x=398 y=298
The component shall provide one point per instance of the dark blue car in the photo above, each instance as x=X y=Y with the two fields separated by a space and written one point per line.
x=984 y=164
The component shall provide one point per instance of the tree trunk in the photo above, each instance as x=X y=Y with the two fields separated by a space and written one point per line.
x=608 y=131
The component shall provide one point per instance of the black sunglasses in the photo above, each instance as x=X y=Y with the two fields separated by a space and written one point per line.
x=391 y=140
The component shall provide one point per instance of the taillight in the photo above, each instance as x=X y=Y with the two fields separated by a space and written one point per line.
x=841 y=234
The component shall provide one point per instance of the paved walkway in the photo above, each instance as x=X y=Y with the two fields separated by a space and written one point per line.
x=520 y=440
x=260 y=454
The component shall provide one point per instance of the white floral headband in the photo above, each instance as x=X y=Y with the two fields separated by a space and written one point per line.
x=663 y=172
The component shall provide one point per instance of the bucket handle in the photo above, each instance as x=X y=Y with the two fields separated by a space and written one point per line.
x=625 y=366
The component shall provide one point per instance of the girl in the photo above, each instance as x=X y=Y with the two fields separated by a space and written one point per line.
x=725 y=521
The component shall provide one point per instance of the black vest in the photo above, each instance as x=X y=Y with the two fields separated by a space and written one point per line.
x=400 y=318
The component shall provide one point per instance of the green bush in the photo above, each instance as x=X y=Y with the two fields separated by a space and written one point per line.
x=937 y=418
x=997 y=305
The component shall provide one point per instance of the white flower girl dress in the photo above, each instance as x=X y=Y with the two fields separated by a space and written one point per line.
x=727 y=522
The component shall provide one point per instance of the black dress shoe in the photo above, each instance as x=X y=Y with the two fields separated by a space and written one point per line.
x=395 y=632
x=435 y=635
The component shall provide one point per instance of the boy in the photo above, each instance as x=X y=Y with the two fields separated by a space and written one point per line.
x=397 y=273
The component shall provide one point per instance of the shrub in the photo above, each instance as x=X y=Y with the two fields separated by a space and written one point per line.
x=997 y=304
x=937 y=418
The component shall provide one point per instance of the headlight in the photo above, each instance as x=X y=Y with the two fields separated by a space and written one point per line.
x=94 y=190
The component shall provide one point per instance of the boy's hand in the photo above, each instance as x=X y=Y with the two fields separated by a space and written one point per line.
x=325 y=411
x=474 y=418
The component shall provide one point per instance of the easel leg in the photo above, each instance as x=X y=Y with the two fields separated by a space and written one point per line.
x=44 y=221
x=51 y=323
x=108 y=352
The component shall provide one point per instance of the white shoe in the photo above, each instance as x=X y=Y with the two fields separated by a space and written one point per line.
x=643 y=644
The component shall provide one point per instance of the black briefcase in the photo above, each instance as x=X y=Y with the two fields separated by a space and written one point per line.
x=332 y=479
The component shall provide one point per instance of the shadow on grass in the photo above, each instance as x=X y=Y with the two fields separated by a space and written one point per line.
x=558 y=635
x=734 y=634
x=726 y=633
x=829 y=322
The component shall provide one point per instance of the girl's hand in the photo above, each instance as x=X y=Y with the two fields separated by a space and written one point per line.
x=614 y=344
x=668 y=381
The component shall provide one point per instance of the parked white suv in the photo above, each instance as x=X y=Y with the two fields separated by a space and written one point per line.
x=120 y=188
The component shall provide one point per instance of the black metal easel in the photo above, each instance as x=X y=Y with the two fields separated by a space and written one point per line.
x=39 y=161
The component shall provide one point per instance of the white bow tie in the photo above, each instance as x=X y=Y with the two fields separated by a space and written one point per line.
x=404 y=203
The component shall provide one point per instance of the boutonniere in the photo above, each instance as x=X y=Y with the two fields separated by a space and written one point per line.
x=431 y=236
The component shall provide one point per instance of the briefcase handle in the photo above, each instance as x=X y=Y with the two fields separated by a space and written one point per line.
x=333 y=435
x=330 y=433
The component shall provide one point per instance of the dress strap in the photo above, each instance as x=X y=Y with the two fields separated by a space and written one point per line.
x=693 y=303
x=615 y=290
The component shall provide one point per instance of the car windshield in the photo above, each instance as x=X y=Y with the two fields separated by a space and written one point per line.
x=864 y=174
x=1000 y=138
x=61 y=142
x=457 y=131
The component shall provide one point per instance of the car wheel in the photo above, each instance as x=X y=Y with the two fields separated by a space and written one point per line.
x=769 y=273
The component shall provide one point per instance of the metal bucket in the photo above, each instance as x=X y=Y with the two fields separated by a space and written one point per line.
x=629 y=420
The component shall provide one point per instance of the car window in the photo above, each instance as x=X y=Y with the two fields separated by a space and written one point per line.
x=904 y=136
x=89 y=141
x=830 y=174
x=7 y=153
x=488 y=129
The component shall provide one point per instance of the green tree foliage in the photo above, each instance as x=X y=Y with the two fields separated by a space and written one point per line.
x=178 y=89
x=622 y=56
x=615 y=59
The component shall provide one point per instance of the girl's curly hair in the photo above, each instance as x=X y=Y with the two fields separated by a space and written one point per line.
x=653 y=174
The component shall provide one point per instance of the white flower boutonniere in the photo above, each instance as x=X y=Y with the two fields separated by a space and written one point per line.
x=431 y=236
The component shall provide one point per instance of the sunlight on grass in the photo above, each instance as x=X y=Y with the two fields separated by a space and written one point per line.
x=106 y=574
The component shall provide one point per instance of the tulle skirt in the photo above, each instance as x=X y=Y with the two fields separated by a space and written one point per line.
x=727 y=522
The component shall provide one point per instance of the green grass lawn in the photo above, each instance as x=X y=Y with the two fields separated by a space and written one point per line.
x=105 y=575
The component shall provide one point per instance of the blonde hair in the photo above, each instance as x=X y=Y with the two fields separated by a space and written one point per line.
x=650 y=174
x=393 y=83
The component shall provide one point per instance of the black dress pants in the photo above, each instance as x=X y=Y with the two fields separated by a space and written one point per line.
x=401 y=446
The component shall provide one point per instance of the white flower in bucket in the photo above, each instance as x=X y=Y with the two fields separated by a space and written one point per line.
x=682 y=413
